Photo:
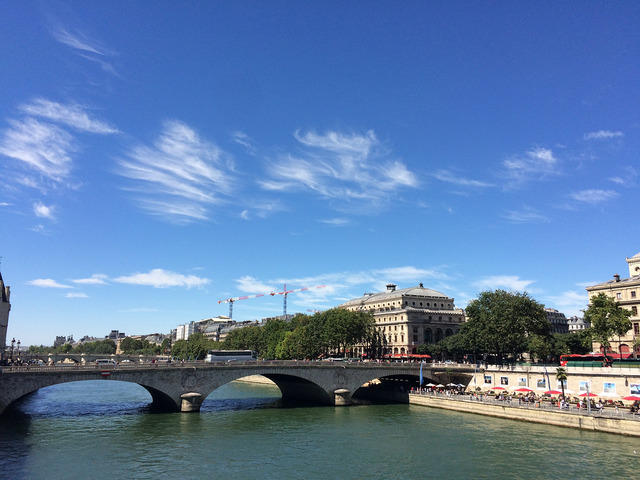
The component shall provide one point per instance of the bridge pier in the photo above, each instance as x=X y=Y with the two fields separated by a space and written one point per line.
x=342 y=397
x=191 y=402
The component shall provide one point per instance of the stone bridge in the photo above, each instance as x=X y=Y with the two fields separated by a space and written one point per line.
x=183 y=387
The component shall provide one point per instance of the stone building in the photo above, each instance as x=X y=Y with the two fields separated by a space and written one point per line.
x=576 y=324
x=409 y=317
x=558 y=321
x=5 y=306
x=626 y=291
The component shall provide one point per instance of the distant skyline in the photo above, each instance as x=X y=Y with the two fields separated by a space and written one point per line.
x=156 y=160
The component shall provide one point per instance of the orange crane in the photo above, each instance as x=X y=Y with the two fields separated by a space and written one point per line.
x=285 y=292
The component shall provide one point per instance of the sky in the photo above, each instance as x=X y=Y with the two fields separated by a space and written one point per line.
x=158 y=157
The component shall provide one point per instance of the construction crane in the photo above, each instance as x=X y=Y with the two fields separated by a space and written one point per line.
x=235 y=299
x=284 y=292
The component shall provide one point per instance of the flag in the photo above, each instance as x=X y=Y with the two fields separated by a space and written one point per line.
x=421 y=379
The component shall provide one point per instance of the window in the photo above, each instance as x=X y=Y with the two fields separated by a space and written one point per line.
x=633 y=294
x=415 y=338
x=634 y=310
x=618 y=295
x=636 y=328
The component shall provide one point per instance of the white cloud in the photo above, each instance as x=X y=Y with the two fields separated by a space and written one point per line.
x=449 y=177
x=570 y=303
x=351 y=168
x=602 y=134
x=180 y=175
x=247 y=142
x=533 y=165
x=526 y=215
x=42 y=148
x=80 y=41
x=594 y=196
x=76 y=295
x=72 y=115
x=96 y=279
x=509 y=282
x=249 y=284
x=628 y=177
x=41 y=210
x=47 y=283
x=160 y=278
x=336 y=222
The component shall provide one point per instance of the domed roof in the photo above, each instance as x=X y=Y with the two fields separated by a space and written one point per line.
x=392 y=293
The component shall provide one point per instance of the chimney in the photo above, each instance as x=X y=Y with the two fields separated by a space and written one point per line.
x=391 y=287
x=616 y=277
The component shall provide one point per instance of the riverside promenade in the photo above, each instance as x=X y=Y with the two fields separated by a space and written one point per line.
x=610 y=419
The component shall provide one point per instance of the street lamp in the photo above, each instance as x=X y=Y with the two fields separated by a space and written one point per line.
x=18 y=350
x=13 y=342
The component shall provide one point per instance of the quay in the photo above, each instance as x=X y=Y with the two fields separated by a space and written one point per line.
x=611 y=420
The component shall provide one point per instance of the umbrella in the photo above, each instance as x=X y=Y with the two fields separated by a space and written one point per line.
x=523 y=389
x=553 y=392
x=431 y=385
x=498 y=388
x=632 y=398
x=452 y=384
x=439 y=386
x=588 y=394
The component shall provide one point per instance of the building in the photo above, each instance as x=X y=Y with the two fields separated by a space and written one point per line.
x=626 y=291
x=576 y=324
x=558 y=321
x=5 y=306
x=409 y=317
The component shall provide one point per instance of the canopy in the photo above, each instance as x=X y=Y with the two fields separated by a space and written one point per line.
x=498 y=388
x=523 y=389
x=632 y=398
x=553 y=392
x=588 y=394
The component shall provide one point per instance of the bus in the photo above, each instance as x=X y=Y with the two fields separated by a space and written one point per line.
x=588 y=360
x=231 y=356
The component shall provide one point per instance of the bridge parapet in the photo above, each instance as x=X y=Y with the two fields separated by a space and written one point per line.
x=183 y=386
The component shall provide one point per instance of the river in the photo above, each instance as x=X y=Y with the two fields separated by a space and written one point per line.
x=105 y=430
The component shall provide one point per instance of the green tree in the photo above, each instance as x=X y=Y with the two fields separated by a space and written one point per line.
x=501 y=322
x=561 y=375
x=607 y=319
x=130 y=345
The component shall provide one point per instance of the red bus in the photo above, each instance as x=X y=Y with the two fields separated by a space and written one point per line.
x=588 y=360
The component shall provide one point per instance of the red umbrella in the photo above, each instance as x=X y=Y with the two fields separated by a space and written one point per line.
x=553 y=392
x=498 y=388
x=588 y=394
x=632 y=398
x=523 y=389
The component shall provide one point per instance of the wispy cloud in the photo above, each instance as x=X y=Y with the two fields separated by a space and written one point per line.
x=594 y=196
x=449 y=177
x=602 y=135
x=628 y=177
x=509 y=282
x=80 y=41
x=533 y=165
x=47 y=283
x=39 y=147
x=526 y=215
x=180 y=175
x=336 y=222
x=247 y=142
x=348 y=167
x=570 y=303
x=72 y=115
x=76 y=295
x=96 y=279
x=41 y=144
x=160 y=278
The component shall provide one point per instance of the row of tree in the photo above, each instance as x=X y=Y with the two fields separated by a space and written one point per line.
x=332 y=332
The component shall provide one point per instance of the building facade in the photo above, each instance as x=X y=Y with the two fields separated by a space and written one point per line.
x=5 y=307
x=558 y=321
x=626 y=291
x=576 y=324
x=409 y=317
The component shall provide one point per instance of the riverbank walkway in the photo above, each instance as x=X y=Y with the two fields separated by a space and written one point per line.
x=610 y=419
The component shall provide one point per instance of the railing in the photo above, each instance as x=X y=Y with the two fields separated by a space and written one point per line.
x=551 y=407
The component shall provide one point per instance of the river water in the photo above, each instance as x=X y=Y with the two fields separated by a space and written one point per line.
x=105 y=430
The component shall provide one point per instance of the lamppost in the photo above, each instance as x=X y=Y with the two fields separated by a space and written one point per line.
x=18 y=350
x=13 y=342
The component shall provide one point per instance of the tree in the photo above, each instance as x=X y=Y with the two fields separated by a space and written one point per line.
x=561 y=375
x=607 y=319
x=501 y=322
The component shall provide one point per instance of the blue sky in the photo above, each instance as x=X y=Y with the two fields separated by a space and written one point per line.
x=159 y=157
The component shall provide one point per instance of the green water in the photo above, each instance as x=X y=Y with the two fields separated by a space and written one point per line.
x=105 y=430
